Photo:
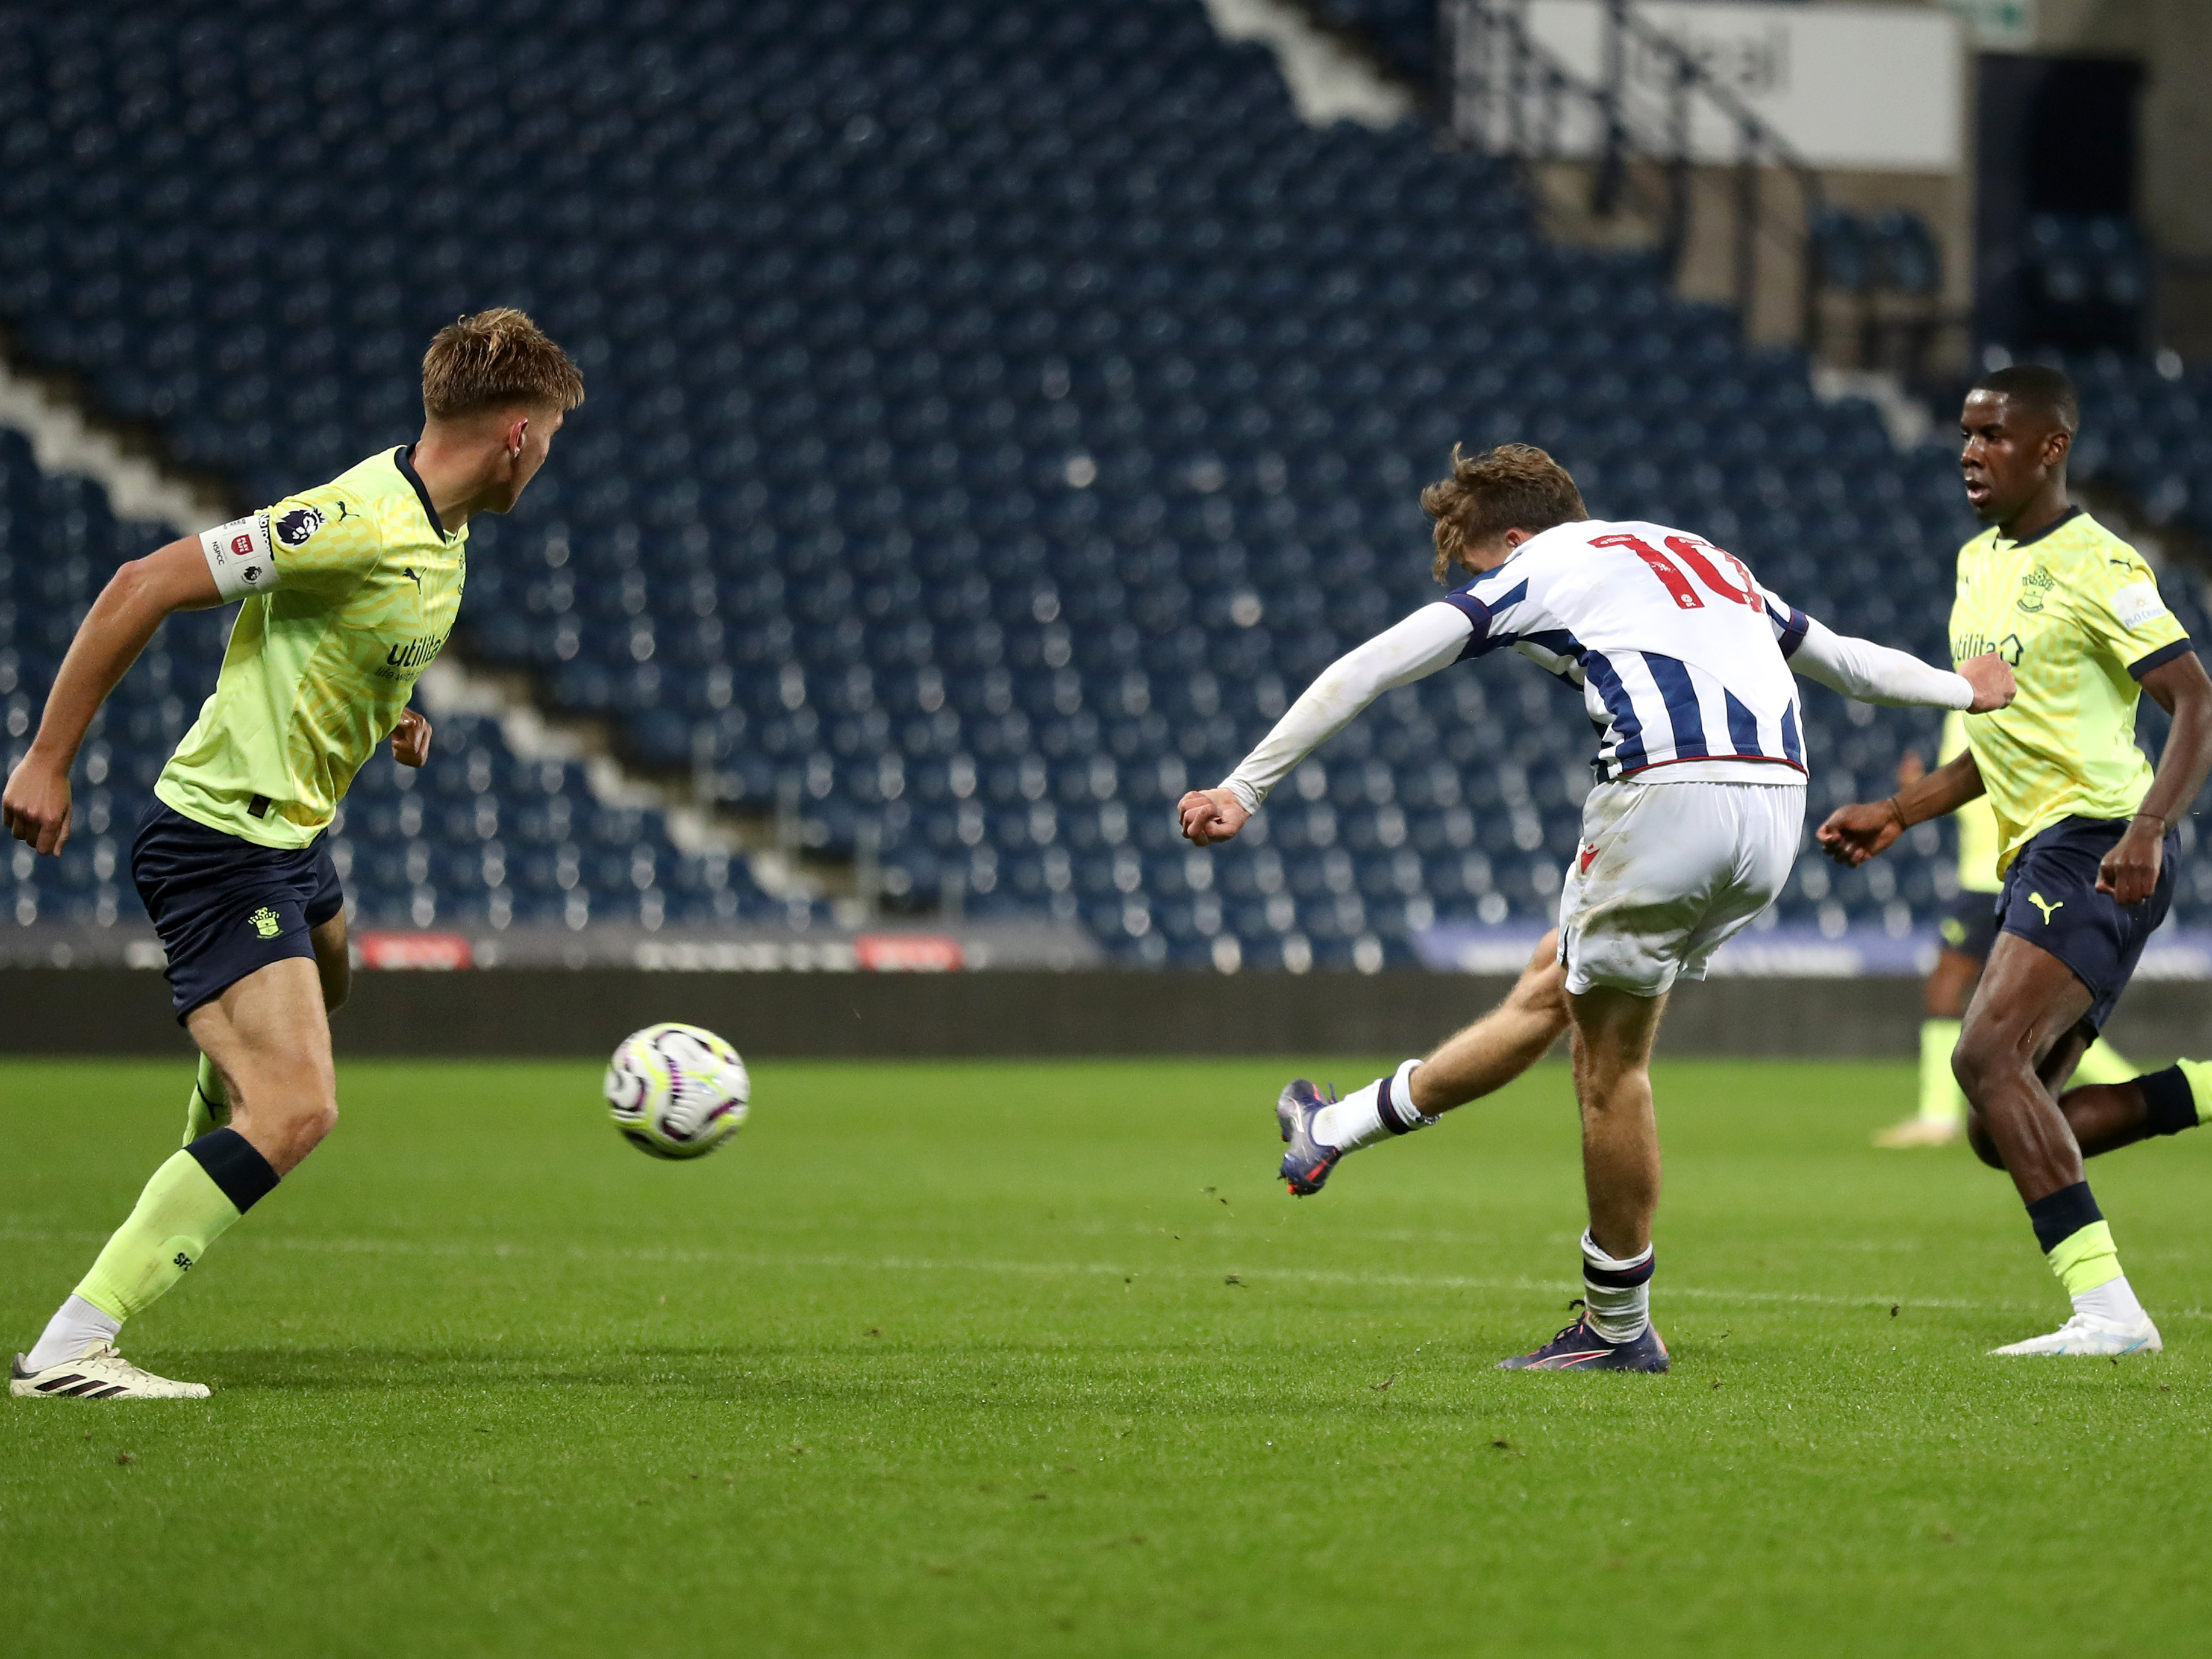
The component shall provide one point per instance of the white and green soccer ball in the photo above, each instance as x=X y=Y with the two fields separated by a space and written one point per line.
x=676 y=1090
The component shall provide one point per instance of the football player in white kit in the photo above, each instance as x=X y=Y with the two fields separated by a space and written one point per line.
x=1685 y=664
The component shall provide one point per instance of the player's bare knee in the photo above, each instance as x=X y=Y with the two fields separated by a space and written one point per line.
x=306 y=1125
x=1987 y=1050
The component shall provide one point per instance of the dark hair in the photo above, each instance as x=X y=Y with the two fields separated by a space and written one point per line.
x=2038 y=387
x=1512 y=487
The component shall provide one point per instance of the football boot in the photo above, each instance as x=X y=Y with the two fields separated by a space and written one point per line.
x=1307 y=1164
x=98 y=1373
x=2082 y=1334
x=1579 y=1348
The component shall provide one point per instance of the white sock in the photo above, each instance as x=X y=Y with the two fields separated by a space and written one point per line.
x=70 y=1332
x=1384 y=1107
x=1616 y=1294
x=2113 y=1302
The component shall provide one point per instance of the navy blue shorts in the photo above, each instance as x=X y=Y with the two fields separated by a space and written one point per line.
x=2050 y=899
x=223 y=907
x=1970 y=925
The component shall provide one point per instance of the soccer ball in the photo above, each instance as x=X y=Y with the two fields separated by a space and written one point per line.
x=676 y=1090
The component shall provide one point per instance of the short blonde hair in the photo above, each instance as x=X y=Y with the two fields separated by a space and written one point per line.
x=1512 y=487
x=494 y=360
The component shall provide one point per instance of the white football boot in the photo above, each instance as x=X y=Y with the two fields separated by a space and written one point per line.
x=98 y=1373
x=2085 y=1335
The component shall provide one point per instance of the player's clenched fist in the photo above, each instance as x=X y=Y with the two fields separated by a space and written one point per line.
x=2130 y=871
x=410 y=739
x=1853 y=835
x=1991 y=677
x=36 y=805
x=1211 y=815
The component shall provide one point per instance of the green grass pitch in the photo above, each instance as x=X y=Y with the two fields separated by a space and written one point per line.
x=1010 y=1359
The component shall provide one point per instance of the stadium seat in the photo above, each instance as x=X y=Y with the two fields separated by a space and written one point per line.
x=988 y=433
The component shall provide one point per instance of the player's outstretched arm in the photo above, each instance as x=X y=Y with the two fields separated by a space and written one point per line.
x=1852 y=835
x=1868 y=672
x=2130 y=871
x=1428 y=640
x=137 y=598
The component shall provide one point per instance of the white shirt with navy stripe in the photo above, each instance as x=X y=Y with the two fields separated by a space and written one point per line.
x=1686 y=663
x=1681 y=653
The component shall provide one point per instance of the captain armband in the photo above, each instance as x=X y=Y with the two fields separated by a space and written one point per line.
x=238 y=556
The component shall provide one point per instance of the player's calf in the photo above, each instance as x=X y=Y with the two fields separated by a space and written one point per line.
x=2105 y=1116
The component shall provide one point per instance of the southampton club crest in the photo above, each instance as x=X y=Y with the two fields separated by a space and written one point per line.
x=294 y=527
x=265 y=922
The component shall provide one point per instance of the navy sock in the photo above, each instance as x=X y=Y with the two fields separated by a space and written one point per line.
x=242 y=1174
x=2060 y=1215
x=2168 y=1101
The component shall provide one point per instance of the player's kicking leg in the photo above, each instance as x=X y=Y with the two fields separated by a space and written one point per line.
x=1477 y=1060
x=268 y=1037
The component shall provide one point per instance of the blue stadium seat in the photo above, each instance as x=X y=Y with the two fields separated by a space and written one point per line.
x=989 y=431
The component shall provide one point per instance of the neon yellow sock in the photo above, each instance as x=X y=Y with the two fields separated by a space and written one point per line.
x=2197 y=1074
x=2085 y=1259
x=209 y=1109
x=179 y=1214
x=1940 y=1101
x=2102 y=1063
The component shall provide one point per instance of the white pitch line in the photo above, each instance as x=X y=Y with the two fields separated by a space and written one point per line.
x=1250 y=1278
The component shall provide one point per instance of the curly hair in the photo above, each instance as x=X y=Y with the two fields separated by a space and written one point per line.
x=495 y=360
x=1512 y=487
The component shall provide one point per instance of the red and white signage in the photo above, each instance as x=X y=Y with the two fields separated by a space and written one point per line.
x=908 y=953
x=438 y=952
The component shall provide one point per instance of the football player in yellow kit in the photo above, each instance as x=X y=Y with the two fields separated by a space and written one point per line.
x=349 y=590
x=1969 y=928
x=2086 y=842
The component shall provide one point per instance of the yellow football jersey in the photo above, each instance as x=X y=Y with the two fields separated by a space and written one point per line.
x=2077 y=613
x=350 y=590
x=1976 y=824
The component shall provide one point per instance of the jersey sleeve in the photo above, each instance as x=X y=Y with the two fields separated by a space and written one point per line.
x=1500 y=611
x=1876 y=673
x=319 y=540
x=1433 y=637
x=1790 y=624
x=2125 y=619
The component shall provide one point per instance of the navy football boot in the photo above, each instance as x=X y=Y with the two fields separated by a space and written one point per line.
x=1579 y=1348
x=1307 y=1164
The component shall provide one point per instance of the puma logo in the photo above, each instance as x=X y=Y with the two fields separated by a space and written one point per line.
x=413 y=575
x=2037 y=900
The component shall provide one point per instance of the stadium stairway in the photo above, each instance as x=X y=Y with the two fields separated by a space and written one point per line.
x=997 y=413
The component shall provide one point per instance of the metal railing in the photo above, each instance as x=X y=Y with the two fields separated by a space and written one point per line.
x=1511 y=96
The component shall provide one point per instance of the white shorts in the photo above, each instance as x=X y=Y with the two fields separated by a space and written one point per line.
x=1667 y=873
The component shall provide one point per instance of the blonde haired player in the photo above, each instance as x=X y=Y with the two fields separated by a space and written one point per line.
x=349 y=590
x=1684 y=663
